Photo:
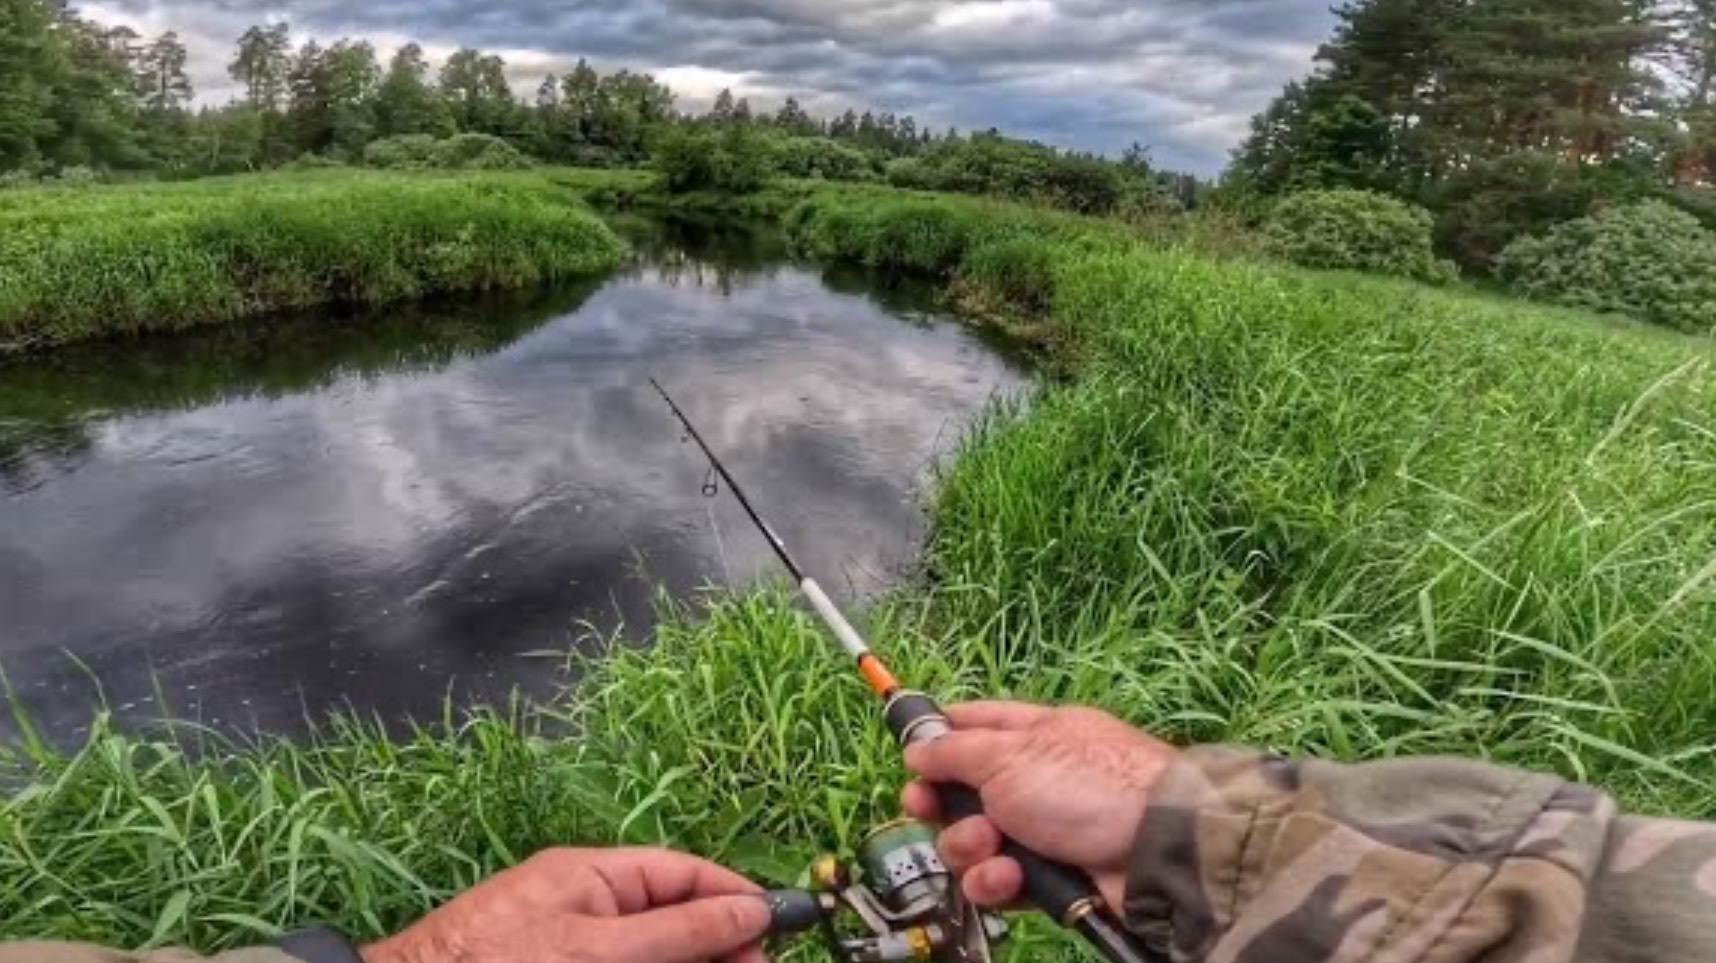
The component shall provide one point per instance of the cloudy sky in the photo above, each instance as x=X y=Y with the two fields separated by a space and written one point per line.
x=1181 y=75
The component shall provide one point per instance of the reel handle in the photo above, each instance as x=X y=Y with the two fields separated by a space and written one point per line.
x=1067 y=894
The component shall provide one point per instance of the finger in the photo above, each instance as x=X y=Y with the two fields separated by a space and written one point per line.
x=645 y=879
x=968 y=758
x=969 y=843
x=921 y=802
x=1005 y=716
x=996 y=884
x=707 y=929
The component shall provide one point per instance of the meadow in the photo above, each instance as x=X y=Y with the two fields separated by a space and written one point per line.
x=1321 y=513
x=92 y=262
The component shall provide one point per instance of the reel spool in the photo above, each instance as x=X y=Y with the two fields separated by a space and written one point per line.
x=902 y=906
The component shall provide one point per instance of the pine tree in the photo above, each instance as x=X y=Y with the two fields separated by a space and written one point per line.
x=793 y=119
x=162 y=82
x=725 y=107
x=1411 y=92
x=347 y=87
x=475 y=89
x=1692 y=58
x=404 y=101
x=1564 y=76
x=264 y=59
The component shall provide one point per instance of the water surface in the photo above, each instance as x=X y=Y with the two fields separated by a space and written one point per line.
x=261 y=522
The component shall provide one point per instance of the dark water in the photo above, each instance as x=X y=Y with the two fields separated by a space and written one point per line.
x=271 y=520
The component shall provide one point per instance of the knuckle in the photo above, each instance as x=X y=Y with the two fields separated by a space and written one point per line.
x=731 y=916
x=560 y=855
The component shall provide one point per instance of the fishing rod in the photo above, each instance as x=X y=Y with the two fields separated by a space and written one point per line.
x=911 y=907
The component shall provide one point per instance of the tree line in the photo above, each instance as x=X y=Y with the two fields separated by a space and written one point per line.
x=1502 y=117
x=77 y=94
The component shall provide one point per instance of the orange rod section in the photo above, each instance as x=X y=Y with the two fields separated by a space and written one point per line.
x=882 y=682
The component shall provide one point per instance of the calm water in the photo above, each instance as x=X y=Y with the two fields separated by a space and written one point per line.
x=271 y=520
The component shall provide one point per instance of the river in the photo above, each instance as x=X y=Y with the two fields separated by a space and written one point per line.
x=253 y=525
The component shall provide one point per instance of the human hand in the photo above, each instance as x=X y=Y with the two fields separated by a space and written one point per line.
x=593 y=906
x=1071 y=784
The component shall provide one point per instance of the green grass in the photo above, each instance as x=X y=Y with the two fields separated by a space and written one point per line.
x=83 y=263
x=1325 y=514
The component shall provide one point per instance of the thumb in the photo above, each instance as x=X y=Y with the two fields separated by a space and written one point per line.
x=689 y=933
x=968 y=758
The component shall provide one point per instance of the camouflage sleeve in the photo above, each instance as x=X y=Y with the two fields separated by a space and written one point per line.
x=83 y=953
x=1249 y=859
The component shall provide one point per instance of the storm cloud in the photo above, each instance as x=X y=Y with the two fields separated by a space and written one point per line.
x=1183 y=76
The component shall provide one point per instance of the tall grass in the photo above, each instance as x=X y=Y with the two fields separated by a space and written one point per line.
x=1319 y=513
x=120 y=260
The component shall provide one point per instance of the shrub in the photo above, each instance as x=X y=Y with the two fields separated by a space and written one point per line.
x=1647 y=259
x=822 y=159
x=468 y=152
x=406 y=152
x=1017 y=170
x=1355 y=230
x=1084 y=185
x=1143 y=205
x=1487 y=206
x=910 y=174
x=732 y=161
x=479 y=152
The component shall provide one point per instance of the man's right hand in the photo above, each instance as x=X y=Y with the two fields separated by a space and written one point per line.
x=1072 y=784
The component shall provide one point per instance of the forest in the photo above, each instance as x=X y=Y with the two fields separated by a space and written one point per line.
x=84 y=101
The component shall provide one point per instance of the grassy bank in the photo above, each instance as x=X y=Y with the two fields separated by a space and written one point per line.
x=1321 y=513
x=77 y=264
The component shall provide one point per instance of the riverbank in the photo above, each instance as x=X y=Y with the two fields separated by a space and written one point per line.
x=1327 y=514
x=95 y=262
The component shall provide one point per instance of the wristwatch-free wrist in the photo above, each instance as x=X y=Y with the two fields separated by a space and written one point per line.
x=320 y=945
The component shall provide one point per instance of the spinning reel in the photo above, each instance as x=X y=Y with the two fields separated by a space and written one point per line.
x=901 y=905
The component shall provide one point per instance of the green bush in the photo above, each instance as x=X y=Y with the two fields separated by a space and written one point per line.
x=1492 y=203
x=909 y=174
x=1648 y=260
x=407 y=152
x=1083 y=185
x=821 y=159
x=1016 y=170
x=467 y=152
x=479 y=152
x=731 y=161
x=1355 y=230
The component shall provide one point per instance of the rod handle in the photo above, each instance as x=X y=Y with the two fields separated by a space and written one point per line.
x=1067 y=894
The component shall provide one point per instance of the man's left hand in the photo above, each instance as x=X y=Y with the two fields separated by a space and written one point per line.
x=593 y=906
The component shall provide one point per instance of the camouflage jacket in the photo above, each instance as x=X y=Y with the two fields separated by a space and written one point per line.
x=1248 y=859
